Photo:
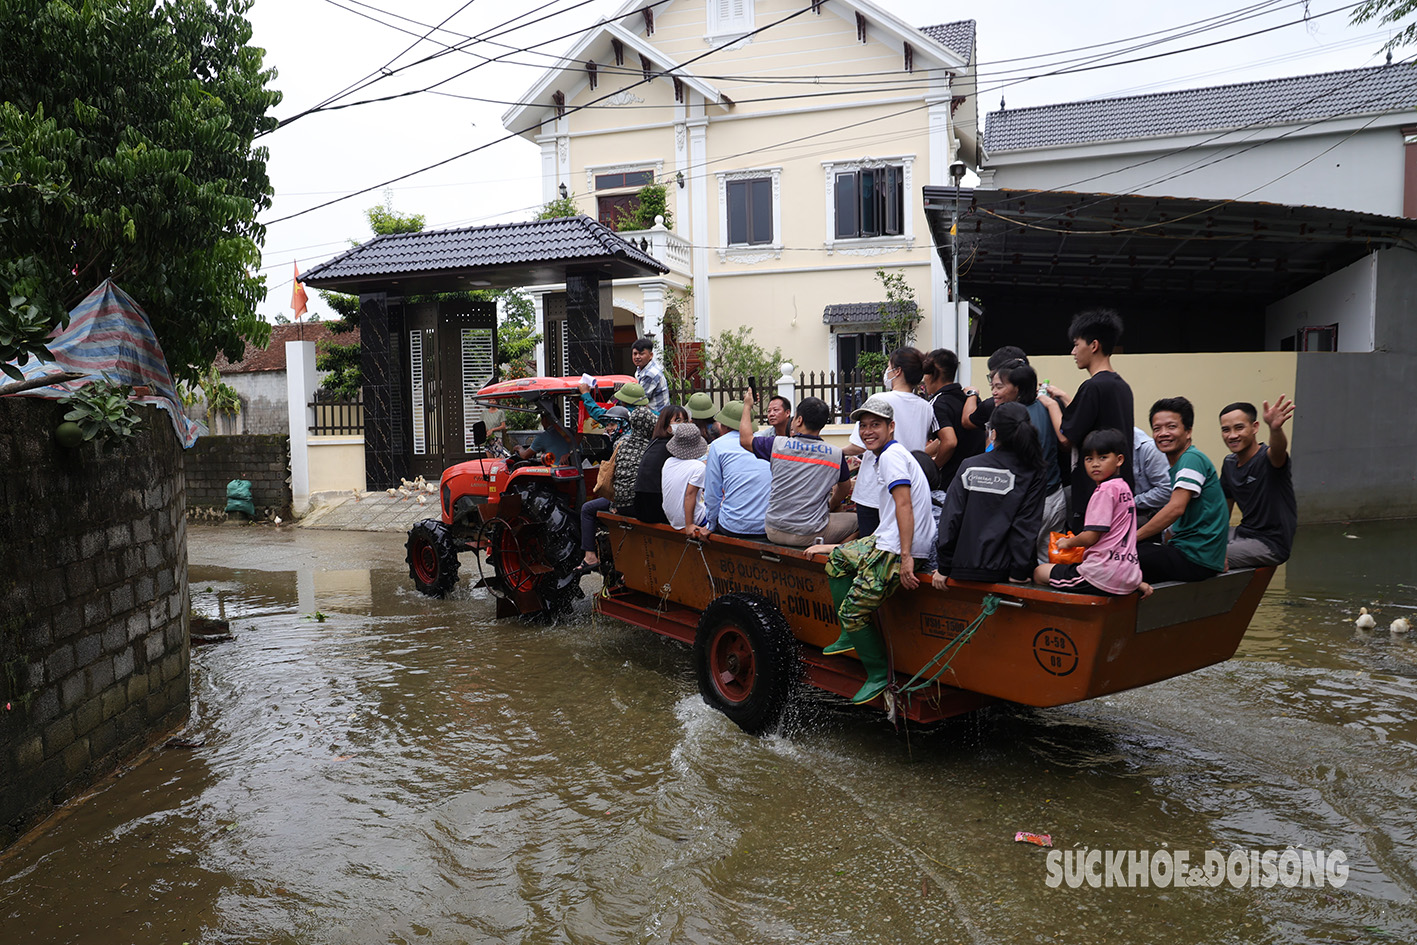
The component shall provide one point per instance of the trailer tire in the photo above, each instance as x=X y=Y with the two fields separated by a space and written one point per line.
x=746 y=661
x=432 y=559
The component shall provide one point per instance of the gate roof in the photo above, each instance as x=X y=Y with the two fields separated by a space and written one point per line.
x=503 y=255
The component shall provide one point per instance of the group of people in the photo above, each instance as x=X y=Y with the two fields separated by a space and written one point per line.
x=947 y=483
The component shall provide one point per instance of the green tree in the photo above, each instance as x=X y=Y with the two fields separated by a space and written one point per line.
x=127 y=151
x=560 y=207
x=734 y=354
x=900 y=316
x=1391 y=12
x=653 y=201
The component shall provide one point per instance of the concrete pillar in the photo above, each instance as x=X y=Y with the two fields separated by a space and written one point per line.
x=538 y=301
x=589 y=337
x=300 y=384
x=786 y=385
x=653 y=309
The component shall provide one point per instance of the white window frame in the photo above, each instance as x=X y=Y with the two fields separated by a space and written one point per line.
x=720 y=29
x=871 y=245
x=750 y=252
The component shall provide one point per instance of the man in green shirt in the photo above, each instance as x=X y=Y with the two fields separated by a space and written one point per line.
x=1195 y=521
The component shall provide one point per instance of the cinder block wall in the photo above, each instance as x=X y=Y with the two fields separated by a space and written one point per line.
x=94 y=612
x=216 y=460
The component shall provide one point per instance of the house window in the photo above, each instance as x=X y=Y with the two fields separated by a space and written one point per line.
x=867 y=199
x=851 y=345
x=869 y=202
x=1318 y=338
x=729 y=16
x=750 y=211
x=617 y=190
x=750 y=214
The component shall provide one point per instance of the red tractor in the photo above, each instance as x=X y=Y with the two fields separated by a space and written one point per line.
x=522 y=514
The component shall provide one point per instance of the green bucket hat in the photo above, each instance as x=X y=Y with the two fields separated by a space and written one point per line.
x=731 y=415
x=701 y=406
x=632 y=395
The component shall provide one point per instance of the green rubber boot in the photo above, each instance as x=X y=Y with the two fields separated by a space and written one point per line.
x=840 y=586
x=871 y=650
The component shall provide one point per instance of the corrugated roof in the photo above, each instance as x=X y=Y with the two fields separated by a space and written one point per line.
x=567 y=239
x=957 y=36
x=861 y=313
x=1217 y=108
x=272 y=356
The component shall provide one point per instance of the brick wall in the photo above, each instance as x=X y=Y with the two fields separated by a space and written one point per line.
x=94 y=611
x=216 y=460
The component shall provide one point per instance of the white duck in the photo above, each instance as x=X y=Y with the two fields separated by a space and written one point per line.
x=1364 y=620
x=1399 y=626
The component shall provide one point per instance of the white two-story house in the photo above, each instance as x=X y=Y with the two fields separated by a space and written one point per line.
x=793 y=138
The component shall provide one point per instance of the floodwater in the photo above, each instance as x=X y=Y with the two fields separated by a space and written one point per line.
x=378 y=767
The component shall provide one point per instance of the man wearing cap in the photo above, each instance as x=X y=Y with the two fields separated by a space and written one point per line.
x=702 y=409
x=736 y=483
x=810 y=478
x=649 y=375
x=682 y=482
x=864 y=572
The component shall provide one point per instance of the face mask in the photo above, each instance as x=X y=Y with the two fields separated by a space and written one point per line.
x=886 y=378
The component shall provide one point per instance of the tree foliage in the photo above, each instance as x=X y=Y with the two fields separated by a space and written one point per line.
x=1392 y=12
x=127 y=132
x=653 y=201
x=900 y=316
x=560 y=207
x=734 y=354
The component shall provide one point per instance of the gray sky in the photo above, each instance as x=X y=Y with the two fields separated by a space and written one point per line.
x=322 y=46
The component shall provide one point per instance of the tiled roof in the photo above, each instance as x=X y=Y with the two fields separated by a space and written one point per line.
x=501 y=244
x=1217 y=108
x=859 y=313
x=957 y=36
x=272 y=356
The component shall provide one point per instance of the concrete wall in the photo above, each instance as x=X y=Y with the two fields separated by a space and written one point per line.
x=1362 y=172
x=336 y=463
x=1396 y=301
x=1346 y=298
x=1358 y=457
x=263 y=399
x=216 y=460
x=93 y=606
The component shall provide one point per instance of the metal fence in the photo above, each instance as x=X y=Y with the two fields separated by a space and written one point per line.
x=337 y=416
x=843 y=392
x=723 y=390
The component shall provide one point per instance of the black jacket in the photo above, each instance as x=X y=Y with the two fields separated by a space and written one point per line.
x=649 y=489
x=989 y=526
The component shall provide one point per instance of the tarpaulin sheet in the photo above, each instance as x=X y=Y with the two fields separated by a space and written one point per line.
x=109 y=335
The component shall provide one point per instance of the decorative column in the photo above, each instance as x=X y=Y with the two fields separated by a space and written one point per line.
x=653 y=309
x=589 y=338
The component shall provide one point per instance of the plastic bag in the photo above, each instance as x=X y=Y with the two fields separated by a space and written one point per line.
x=1065 y=555
x=238 y=497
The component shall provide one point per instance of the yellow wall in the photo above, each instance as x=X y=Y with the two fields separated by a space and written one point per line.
x=1209 y=381
x=336 y=463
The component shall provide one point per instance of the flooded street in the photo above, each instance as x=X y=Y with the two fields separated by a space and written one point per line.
x=380 y=767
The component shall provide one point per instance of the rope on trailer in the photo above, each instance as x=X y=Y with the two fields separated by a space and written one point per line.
x=946 y=655
x=668 y=585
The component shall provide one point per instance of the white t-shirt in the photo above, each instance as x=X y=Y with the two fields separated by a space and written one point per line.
x=915 y=425
x=678 y=475
x=895 y=466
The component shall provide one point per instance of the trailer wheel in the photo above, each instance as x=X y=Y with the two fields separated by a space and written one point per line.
x=746 y=660
x=432 y=559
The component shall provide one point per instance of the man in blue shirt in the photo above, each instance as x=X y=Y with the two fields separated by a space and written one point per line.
x=736 y=483
x=649 y=374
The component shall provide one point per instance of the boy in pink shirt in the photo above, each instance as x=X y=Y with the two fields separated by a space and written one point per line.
x=1109 y=565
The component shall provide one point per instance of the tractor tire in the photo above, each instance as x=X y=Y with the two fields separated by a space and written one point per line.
x=746 y=661
x=432 y=559
x=537 y=555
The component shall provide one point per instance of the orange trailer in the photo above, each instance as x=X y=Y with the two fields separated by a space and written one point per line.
x=758 y=616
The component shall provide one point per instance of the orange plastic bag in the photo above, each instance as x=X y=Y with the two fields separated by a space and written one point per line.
x=1065 y=555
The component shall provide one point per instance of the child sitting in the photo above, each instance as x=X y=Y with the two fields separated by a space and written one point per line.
x=1109 y=565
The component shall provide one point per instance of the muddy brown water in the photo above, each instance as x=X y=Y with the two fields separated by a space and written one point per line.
x=379 y=767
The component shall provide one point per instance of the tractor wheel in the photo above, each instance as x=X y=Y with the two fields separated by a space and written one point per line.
x=746 y=660
x=432 y=559
x=534 y=557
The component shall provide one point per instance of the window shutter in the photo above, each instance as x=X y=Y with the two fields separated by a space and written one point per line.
x=869 y=204
x=890 y=186
x=476 y=374
x=762 y=211
x=847 y=224
x=737 y=211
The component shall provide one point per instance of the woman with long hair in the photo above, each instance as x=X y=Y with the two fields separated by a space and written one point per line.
x=989 y=526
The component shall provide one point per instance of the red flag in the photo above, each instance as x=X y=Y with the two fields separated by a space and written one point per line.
x=298 y=298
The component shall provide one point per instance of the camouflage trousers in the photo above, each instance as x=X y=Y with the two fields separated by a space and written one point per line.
x=875 y=575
